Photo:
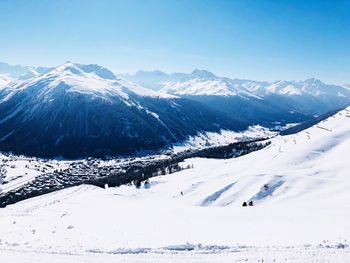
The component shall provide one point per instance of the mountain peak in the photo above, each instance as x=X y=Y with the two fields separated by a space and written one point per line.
x=92 y=80
x=311 y=81
x=78 y=69
x=202 y=73
x=68 y=68
x=154 y=73
x=100 y=71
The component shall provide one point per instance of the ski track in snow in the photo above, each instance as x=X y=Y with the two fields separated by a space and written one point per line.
x=191 y=253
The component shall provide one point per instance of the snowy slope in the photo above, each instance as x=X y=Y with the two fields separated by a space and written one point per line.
x=150 y=79
x=201 y=82
x=232 y=97
x=85 y=110
x=299 y=185
x=87 y=82
x=4 y=80
x=19 y=72
x=313 y=87
x=12 y=71
x=224 y=137
x=311 y=96
x=196 y=83
x=347 y=86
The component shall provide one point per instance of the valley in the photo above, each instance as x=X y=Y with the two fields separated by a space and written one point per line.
x=160 y=131
x=201 y=167
x=297 y=185
x=57 y=175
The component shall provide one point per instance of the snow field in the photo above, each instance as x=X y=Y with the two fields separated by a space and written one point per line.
x=299 y=185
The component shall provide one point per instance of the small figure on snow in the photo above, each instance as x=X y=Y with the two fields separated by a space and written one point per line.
x=244 y=204
x=147 y=184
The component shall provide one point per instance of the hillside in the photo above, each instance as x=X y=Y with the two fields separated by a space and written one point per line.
x=298 y=184
x=85 y=110
x=310 y=96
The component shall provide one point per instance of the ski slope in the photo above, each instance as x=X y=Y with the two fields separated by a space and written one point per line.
x=299 y=185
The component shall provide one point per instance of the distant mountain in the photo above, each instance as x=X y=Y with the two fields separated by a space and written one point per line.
x=230 y=96
x=4 y=80
x=151 y=80
x=310 y=97
x=85 y=110
x=204 y=83
x=13 y=71
x=21 y=72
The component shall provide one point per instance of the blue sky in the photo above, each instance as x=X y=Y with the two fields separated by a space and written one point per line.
x=254 y=39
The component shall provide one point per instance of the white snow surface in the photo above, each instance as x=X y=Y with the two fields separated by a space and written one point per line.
x=200 y=86
x=205 y=83
x=4 y=80
x=299 y=184
x=224 y=137
x=79 y=81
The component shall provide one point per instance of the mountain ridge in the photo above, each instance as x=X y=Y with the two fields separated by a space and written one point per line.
x=82 y=110
x=310 y=96
x=77 y=109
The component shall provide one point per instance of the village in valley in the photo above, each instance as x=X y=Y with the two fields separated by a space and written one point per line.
x=25 y=177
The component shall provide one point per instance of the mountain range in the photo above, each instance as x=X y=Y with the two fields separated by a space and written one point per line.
x=76 y=110
x=310 y=97
x=85 y=110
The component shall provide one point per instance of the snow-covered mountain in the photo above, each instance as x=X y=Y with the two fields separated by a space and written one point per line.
x=4 y=80
x=299 y=186
x=311 y=96
x=347 y=86
x=152 y=80
x=13 y=71
x=204 y=83
x=21 y=72
x=77 y=110
x=226 y=95
x=199 y=82
x=16 y=73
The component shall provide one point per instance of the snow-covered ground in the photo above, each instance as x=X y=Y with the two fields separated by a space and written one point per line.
x=224 y=137
x=299 y=185
x=17 y=170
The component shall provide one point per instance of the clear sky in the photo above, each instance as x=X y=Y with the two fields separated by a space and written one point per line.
x=254 y=39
